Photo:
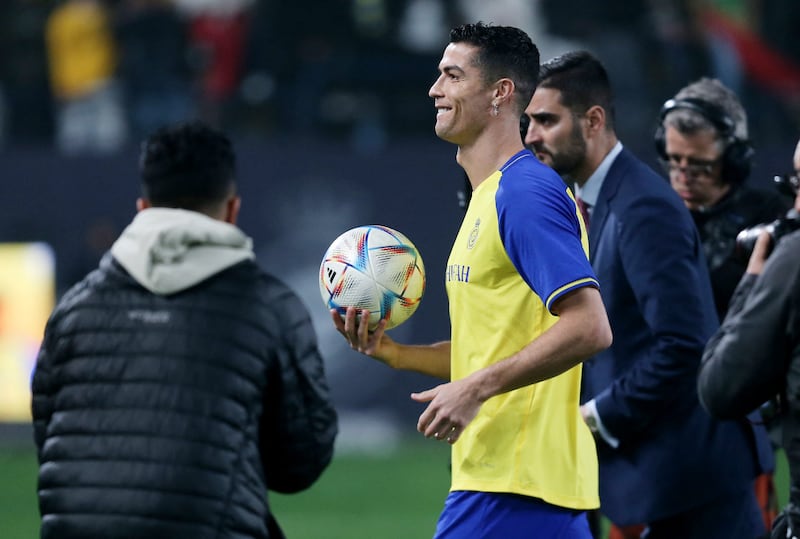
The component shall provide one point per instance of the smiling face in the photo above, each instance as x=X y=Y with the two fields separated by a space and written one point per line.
x=554 y=133
x=460 y=95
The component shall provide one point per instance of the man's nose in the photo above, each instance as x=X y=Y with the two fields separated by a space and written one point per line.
x=434 y=90
x=532 y=135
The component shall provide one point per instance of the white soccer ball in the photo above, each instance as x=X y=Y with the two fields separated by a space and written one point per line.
x=376 y=268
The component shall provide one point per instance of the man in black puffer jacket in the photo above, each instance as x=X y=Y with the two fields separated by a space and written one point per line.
x=178 y=382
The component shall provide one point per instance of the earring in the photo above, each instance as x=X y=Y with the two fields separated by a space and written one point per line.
x=495 y=109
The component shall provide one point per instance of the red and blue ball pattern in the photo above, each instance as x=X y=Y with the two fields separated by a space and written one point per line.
x=373 y=268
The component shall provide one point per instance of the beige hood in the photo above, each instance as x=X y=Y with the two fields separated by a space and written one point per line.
x=168 y=250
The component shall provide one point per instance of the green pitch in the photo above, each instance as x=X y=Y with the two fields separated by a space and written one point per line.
x=394 y=495
x=397 y=494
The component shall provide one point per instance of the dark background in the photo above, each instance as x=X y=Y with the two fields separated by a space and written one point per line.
x=326 y=102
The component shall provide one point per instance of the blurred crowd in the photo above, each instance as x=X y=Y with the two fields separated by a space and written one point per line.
x=90 y=76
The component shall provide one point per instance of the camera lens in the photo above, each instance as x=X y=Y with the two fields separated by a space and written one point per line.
x=746 y=239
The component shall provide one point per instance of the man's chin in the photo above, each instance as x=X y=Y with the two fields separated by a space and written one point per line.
x=690 y=201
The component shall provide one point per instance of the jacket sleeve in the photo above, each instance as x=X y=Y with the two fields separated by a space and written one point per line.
x=42 y=390
x=745 y=362
x=660 y=254
x=299 y=423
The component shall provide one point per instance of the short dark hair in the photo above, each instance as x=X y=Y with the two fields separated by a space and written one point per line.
x=187 y=165
x=582 y=81
x=504 y=52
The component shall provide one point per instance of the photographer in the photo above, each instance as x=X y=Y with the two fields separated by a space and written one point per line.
x=755 y=355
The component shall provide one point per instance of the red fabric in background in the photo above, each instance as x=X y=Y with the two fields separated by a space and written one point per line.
x=221 y=42
x=761 y=63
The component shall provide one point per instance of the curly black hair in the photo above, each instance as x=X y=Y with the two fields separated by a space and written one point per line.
x=187 y=165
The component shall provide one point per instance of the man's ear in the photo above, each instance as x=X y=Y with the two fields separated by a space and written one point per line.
x=142 y=204
x=596 y=117
x=503 y=91
x=232 y=207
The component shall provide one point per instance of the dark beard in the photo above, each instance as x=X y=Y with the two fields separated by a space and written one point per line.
x=572 y=156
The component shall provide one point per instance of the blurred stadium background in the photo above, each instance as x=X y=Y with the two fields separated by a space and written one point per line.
x=327 y=105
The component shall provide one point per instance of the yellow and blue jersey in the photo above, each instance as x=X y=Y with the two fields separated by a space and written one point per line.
x=521 y=246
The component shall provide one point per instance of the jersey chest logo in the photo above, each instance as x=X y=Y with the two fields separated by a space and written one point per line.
x=473 y=235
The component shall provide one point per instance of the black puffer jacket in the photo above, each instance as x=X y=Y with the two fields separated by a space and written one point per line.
x=169 y=416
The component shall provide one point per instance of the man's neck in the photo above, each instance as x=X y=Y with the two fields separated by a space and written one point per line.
x=488 y=153
x=595 y=154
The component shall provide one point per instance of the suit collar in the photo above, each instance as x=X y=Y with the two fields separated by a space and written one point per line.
x=608 y=188
x=591 y=189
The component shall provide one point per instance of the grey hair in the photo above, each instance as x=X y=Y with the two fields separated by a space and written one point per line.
x=714 y=92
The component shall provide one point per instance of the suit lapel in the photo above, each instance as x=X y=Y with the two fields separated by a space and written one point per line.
x=607 y=193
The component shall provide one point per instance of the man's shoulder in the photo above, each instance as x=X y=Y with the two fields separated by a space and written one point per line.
x=761 y=200
x=636 y=170
x=251 y=282
x=90 y=284
x=529 y=181
x=787 y=248
x=633 y=181
x=761 y=192
x=525 y=167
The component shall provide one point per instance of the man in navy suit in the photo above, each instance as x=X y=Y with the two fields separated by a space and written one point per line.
x=664 y=462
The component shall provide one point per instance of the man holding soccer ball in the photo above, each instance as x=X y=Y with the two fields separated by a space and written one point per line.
x=525 y=311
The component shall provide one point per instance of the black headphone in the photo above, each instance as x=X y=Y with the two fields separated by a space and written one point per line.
x=737 y=158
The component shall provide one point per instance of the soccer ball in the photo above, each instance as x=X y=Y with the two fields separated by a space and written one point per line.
x=373 y=267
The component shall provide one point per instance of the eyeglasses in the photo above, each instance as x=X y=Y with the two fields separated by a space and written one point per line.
x=694 y=169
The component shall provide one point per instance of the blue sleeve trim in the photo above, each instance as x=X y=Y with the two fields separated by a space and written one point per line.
x=569 y=288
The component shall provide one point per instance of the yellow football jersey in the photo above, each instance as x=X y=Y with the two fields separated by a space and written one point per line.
x=521 y=246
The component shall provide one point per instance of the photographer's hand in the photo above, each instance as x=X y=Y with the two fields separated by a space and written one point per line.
x=760 y=253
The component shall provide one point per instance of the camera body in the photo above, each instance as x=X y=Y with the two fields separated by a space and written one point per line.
x=746 y=239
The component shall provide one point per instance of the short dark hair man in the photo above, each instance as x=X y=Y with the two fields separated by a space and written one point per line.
x=525 y=311
x=663 y=460
x=178 y=382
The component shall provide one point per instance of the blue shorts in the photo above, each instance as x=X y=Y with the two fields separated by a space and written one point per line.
x=488 y=515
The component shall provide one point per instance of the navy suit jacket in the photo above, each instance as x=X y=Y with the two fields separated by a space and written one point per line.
x=672 y=456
